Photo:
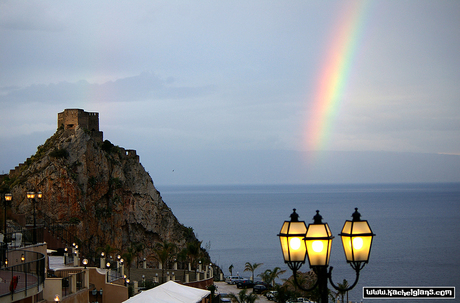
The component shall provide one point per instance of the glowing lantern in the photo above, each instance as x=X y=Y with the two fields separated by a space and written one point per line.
x=318 y=241
x=292 y=243
x=357 y=239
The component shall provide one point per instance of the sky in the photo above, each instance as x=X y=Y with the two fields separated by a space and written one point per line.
x=225 y=84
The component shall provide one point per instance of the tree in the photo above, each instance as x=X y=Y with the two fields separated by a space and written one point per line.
x=230 y=269
x=341 y=291
x=283 y=294
x=306 y=281
x=243 y=297
x=251 y=267
x=128 y=259
x=138 y=247
x=270 y=275
x=212 y=288
x=163 y=252
x=108 y=251
x=194 y=251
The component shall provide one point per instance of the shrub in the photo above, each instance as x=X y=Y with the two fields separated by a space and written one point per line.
x=59 y=153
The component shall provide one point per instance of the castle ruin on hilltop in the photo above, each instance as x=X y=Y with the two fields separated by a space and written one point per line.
x=69 y=119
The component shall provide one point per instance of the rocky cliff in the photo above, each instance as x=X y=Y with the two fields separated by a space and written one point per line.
x=99 y=188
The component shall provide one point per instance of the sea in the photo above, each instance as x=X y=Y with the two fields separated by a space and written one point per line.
x=417 y=227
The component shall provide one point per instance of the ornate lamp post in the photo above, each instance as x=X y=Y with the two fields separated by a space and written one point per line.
x=7 y=198
x=4 y=246
x=31 y=196
x=298 y=241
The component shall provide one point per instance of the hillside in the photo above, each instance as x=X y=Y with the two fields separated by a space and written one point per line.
x=100 y=189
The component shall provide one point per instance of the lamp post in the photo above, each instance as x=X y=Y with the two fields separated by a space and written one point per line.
x=4 y=246
x=108 y=271
x=298 y=242
x=7 y=198
x=31 y=196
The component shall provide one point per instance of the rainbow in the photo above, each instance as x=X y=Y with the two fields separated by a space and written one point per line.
x=333 y=76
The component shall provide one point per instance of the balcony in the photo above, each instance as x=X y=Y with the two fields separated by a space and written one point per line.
x=22 y=274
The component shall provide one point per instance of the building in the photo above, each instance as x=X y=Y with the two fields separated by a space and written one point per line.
x=70 y=119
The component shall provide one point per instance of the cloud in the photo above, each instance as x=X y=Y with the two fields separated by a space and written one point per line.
x=145 y=86
x=31 y=16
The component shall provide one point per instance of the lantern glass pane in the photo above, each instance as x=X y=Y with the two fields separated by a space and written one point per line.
x=291 y=240
x=319 y=241
x=297 y=249
x=347 y=227
x=298 y=228
x=318 y=231
x=357 y=241
x=361 y=252
x=284 y=247
x=318 y=251
x=361 y=227
x=346 y=242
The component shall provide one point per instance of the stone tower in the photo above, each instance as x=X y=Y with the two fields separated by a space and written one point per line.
x=70 y=119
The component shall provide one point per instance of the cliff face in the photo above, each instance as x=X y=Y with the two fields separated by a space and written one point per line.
x=100 y=188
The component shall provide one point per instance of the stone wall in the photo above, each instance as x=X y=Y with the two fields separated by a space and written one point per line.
x=70 y=119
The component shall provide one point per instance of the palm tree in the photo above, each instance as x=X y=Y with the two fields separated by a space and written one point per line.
x=251 y=267
x=341 y=291
x=194 y=251
x=128 y=259
x=182 y=257
x=283 y=294
x=163 y=252
x=108 y=251
x=212 y=288
x=304 y=280
x=243 y=297
x=138 y=247
x=270 y=275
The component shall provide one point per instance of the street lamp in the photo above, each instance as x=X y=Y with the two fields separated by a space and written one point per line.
x=298 y=241
x=4 y=245
x=31 y=196
x=7 y=198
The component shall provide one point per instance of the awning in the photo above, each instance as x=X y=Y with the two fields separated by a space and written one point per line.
x=170 y=292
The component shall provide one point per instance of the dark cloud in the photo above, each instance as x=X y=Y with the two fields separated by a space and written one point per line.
x=142 y=87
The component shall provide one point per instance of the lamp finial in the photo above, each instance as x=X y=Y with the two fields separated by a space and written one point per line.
x=356 y=215
x=294 y=216
x=318 y=219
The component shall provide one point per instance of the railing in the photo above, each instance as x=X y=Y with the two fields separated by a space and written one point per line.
x=21 y=237
x=72 y=280
x=59 y=230
x=63 y=232
x=114 y=275
x=25 y=271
